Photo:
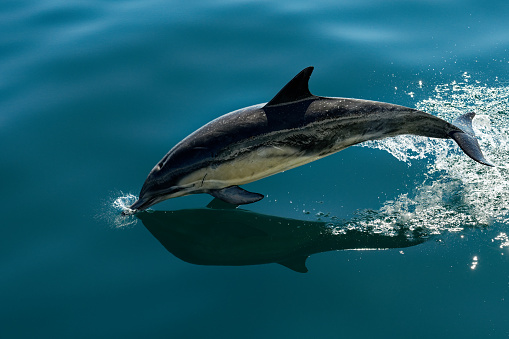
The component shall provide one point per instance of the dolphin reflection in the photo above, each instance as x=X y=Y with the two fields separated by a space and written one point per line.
x=235 y=237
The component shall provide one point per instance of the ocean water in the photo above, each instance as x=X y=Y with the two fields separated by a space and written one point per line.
x=93 y=94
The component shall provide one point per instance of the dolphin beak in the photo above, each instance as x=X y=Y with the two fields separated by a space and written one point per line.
x=148 y=199
x=140 y=205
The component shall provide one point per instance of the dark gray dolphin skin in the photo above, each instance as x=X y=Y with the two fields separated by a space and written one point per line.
x=294 y=128
x=236 y=237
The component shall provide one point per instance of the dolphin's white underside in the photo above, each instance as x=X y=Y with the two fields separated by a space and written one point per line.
x=247 y=168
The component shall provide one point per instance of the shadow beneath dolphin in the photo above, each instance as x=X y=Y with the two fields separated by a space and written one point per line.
x=235 y=237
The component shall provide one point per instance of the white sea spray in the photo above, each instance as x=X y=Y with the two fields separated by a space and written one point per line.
x=116 y=210
x=456 y=192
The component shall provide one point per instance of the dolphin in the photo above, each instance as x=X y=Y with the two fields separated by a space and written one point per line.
x=293 y=129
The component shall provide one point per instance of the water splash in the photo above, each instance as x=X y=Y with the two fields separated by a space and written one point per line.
x=116 y=211
x=123 y=203
x=456 y=192
x=503 y=239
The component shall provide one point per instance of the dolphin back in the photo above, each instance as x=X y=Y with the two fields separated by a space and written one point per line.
x=465 y=138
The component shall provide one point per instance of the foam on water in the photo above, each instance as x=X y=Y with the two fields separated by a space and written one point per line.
x=456 y=192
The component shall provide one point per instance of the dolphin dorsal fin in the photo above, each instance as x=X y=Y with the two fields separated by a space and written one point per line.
x=296 y=89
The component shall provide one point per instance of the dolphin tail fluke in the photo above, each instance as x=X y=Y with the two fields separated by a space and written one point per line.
x=466 y=139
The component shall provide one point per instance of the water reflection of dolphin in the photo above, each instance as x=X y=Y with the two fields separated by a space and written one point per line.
x=239 y=237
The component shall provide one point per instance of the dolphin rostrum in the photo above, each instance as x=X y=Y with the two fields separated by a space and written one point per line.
x=293 y=129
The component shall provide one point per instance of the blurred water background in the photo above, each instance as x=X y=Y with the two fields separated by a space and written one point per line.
x=93 y=94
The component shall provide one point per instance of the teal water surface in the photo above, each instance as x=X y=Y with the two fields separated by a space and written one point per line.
x=93 y=94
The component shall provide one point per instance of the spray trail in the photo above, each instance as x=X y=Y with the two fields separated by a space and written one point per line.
x=457 y=192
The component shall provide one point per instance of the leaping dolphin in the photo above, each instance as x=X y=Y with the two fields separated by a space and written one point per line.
x=293 y=129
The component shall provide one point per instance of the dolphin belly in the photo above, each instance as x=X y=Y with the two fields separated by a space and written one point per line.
x=248 y=167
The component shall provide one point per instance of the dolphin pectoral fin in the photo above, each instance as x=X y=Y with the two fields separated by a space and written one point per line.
x=297 y=264
x=236 y=196
x=466 y=139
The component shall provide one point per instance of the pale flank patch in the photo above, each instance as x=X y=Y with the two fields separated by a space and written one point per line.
x=247 y=168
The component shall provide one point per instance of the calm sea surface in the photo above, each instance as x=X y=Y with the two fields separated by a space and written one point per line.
x=93 y=94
